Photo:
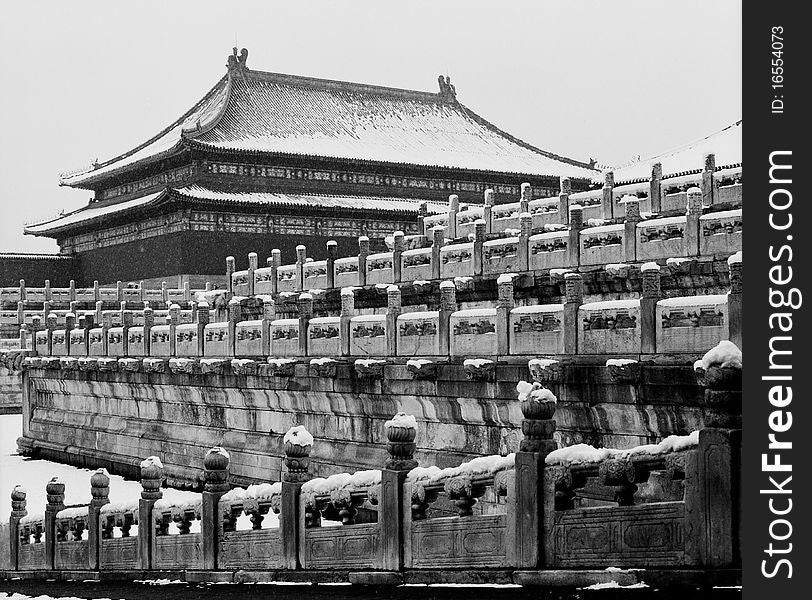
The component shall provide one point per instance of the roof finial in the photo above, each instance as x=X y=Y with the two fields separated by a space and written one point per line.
x=237 y=62
x=448 y=93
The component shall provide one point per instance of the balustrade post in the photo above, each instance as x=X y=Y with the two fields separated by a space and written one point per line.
x=297 y=443
x=23 y=338
x=607 y=200
x=400 y=436
x=152 y=477
x=655 y=191
x=100 y=495
x=574 y=239
x=36 y=325
x=525 y=198
x=632 y=205
x=216 y=464
x=564 y=200
x=120 y=291
x=234 y=317
x=453 y=209
x=347 y=313
x=487 y=210
x=422 y=212
x=72 y=290
x=398 y=246
x=393 y=310
x=332 y=254
x=96 y=291
x=126 y=323
x=437 y=241
x=230 y=268
x=480 y=227
x=648 y=308
x=187 y=291
x=268 y=315
x=22 y=290
x=48 y=290
x=21 y=313
x=18 y=511
x=708 y=191
x=734 y=300
x=448 y=305
x=149 y=321
x=173 y=320
x=301 y=258
x=305 y=305
x=142 y=291
x=88 y=325
x=50 y=324
x=505 y=304
x=165 y=293
x=523 y=247
x=70 y=325
x=573 y=298
x=692 y=231
x=363 y=252
x=55 y=494
x=252 y=266
x=276 y=260
x=98 y=313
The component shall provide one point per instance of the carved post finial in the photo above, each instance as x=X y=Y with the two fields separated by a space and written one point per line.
x=55 y=494
x=216 y=463
x=401 y=432
x=18 y=502
x=573 y=288
x=538 y=407
x=297 y=443
x=152 y=478
x=100 y=488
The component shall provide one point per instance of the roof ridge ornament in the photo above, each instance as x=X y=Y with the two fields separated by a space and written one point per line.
x=236 y=63
x=448 y=93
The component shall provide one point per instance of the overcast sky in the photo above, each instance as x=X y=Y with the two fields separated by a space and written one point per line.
x=609 y=80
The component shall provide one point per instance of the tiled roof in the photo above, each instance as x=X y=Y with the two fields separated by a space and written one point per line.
x=726 y=144
x=255 y=111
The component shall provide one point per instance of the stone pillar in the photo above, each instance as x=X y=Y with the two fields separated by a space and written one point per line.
x=398 y=246
x=165 y=293
x=332 y=254
x=523 y=248
x=268 y=315
x=533 y=509
x=142 y=291
x=70 y=325
x=48 y=290
x=734 y=301
x=564 y=206
x=216 y=484
x=526 y=197
x=607 y=202
x=36 y=325
x=400 y=446
x=347 y=313
x=573 y=298
x=301 y=258
x=98 y=313
x=505 y=304
x=173 y=319
x=648 y=308
x=72 y=291
x=708 y=169
x=252 y=266
x=448 y=305
x=422 y=211
x=50 y=325
x=96 y=291
x=692 y=231
x=574 y=240
x=437 y=241
x=126 y=323
x=187 y=290
x=18 y=511
x=55 y=492
x=100 y=495
x=276 y=260
x=23 y=338
x=21 y=314
x=202 y=319
x=120 y=291
x=632 y=205
x=655 y=190
x=22 y=290
x=487 y=210
x=298 y=443
x=480 y=227
x=363 y=252
x=453 y=209
x=234 y=317
x=305 y=304
x=152 y=478
x=393 y=310
x=149 y=321
x=230 y=268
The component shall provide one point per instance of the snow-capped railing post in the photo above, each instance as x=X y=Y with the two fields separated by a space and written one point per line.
x=99 y=496
x=275 y=261
x=505 y=303
x=297 y=443
x=252 y=266
x=487 y=210
x=477 y=254
x=98 y=313
x=96 y=292
x=523 y=246
x=651 y=293
x=363 y=252
x=398 y=246
x=437 y=241
x=632 y=205
x=708 y=168
x=533 y=495
x=152 y=478
x=71 y=290
x=574 y=240
x=525 y=198
x=230 y=268
x=187 y=291
x=165 y=293
x=234 y=317
x=692 y=231
x=305 y=305
x=332 y=254
x=149 y=321
x=607 y=200
x=18 y=511
x=55 y=498
x=573 y=298
x=119 y=291
x=347 y=313
x=655 y=190
x=393 y=310
x=453 y=209
x=202 y=319
x=301 y=259
x=173 y=320
x=734 y=300
x=47 y=292
x=215 y=484
x=564 y=200
x=22 y=290
x=142 y=291
x=401 y=431
x=422 y=212
x=448 y=305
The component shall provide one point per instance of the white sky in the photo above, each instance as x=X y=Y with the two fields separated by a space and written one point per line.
x=609 y=80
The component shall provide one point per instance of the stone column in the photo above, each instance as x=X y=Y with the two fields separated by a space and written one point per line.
x=187 y=291
x=400 y=447
x=230 y=268
x=363 y=252
x=36 y=325
x=48 y=290
x=216 y=484
x=276 y=260
x=21 y=313
x=298 y=443
x=734 y=301
x=632 y=205
x=398 y=246
x=70 y=325
x=98 y=317
x=437 y=241
x=505 y=304
x=564 y=206
x=268 y=315
x=18 y=511
x=480 y=227
x=347 y=313
x=152 y=478
x=692 y=231
x=72 y=291
x=202 y=319
x=332 y=254
x=573 y=298
x=22 y=290
x=708 y=191
x=655 y=190
x=487 y=210
x=574 y=240
x=120 y=291
x=607 y=202
x=533 y=509
x=393 y=310
x=422 y=212
x=96 y=291
x=234 y=317
x=453 y=209
x=100 y=495
x=165 y=293
x=50 y=325
x=252 y=266
x=525 y=198
x=126 y=323
x=149 y=321
x=305 y=304
x=523 y=248
x=55 y=492
x=23 y=338
x=448 y=305
x=173 y=319
x=301 y=258
x=648 y=308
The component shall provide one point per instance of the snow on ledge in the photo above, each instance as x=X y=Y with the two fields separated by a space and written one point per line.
x=650 y=266
x=724 y=354
x=260 y=491
x=482 y=466
x=735 y=259
x=584 y=454
x=620 y=362
x=356 y=481
x=72 y=513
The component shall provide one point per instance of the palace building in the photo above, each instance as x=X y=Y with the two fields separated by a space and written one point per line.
x=266 y=160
